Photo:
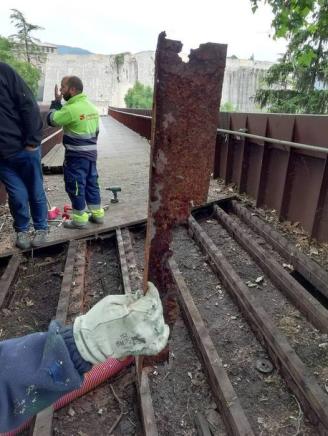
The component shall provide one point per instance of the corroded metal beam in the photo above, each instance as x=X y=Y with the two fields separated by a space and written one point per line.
x=185 y=117
x=131 y=282
x=222 y=389
x=298 y=377
x=8 y=277
x=44 y=419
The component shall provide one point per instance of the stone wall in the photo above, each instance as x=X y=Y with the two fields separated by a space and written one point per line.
x=241 y=80
x=107 y=78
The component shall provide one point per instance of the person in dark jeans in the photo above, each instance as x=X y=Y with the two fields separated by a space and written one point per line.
x=20 y=158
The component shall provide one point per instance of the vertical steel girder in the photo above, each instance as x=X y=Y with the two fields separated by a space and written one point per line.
x=185 y=117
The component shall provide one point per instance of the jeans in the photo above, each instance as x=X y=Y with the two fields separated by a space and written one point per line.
x=81 y=182
x=22 y=176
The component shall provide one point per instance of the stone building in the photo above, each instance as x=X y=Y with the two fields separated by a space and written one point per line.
x=107 y=78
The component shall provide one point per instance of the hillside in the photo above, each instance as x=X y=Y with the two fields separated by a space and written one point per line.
x=66 y=49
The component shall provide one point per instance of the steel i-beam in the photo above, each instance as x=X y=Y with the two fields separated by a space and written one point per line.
x=185 y=117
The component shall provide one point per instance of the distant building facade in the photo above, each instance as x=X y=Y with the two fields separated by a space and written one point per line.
x=107 y=78
x=47 y=47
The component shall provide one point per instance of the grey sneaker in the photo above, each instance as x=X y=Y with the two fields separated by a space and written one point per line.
x=40 y=238
x=71 y=224
x=96 y=220
x=23 y=240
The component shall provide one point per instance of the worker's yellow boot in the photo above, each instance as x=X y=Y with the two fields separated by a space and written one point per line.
x=97 y=214
x=79 y=220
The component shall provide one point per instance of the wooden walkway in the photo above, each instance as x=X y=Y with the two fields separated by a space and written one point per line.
x=123 y=160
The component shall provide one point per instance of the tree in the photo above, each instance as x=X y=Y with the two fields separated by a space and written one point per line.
x=5 y=50
x=297 y=83
x=227 y=107
x=25 y=42
x=140 y=96
x=27 y=71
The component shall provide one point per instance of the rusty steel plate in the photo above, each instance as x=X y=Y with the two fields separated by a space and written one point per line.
x=185 y=117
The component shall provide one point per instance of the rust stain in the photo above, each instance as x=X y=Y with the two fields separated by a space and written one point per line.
x=185 y=117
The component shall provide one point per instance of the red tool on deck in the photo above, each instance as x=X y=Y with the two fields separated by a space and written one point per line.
x=66 y=214
x=53 y=213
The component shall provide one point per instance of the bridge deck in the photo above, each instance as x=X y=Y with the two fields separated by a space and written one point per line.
x=123 y=160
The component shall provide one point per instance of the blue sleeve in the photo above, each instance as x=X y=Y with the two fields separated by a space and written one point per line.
x=36 y=370
x=27 y=107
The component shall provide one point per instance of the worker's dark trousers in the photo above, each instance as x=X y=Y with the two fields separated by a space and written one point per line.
x=22 y=176
x=81 y=182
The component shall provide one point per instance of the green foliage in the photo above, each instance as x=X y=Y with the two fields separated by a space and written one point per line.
x=119 y=60
x=27 y=71
x=291 y=101
x=302 y=73
x=23 y=39
x=227 y=107
x=5 y=50
x=140 y=96
x=292 y=15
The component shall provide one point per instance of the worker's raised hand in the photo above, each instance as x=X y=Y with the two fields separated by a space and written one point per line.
x=122 y=325
x=58 y=95
x=30 y=148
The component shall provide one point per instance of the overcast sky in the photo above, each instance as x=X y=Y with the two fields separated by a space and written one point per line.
x=109 y=27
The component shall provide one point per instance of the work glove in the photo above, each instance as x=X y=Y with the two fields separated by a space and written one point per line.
x=122 y=325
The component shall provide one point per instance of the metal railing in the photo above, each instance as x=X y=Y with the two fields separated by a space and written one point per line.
x=241 y=133
x=289 y=175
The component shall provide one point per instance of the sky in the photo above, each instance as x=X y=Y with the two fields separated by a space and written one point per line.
x=110 y=27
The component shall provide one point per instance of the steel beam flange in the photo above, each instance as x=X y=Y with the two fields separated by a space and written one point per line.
x=185 y=116
x=123 y=262
x=222 y=389
x=131 y=282
x=133 y=271
x=305 y=302
x=8 y=277
x=296 y=374
x=43 y=420
x=302 y=263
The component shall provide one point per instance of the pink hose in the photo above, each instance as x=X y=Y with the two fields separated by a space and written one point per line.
x=92 y=379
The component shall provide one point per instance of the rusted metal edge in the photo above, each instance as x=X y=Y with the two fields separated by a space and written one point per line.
x=301 y=263
x=64 y=297
x=202 y=425
x=8 y=277
x=123 y=262
x=135 y=276
x=43 y=420
x=222 y=389
x=136 y=284
x=77 y=291
x=296 y=374
x=186 y=98
x=308 y=305
x=320 y=203
x=145 y=402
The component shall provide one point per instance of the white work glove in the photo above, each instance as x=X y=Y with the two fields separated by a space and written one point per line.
x=122 y=325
